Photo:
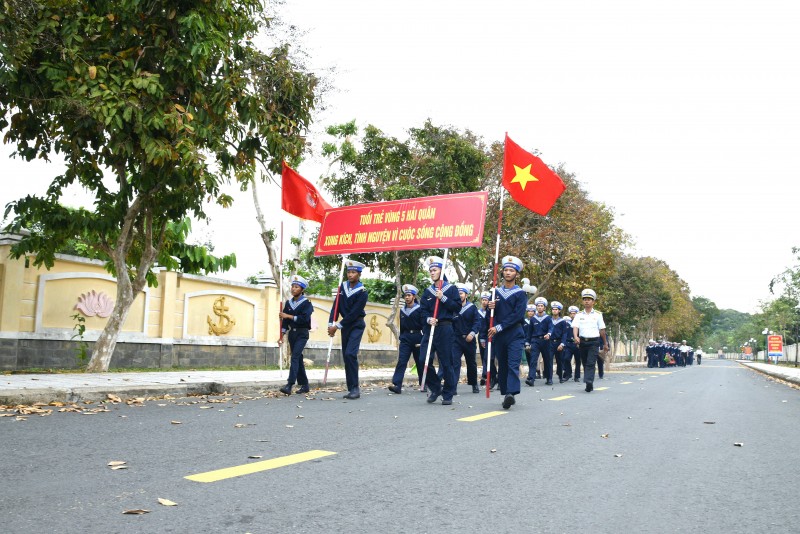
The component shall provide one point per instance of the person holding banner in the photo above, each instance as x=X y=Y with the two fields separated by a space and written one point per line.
x=466 y=325
x=443 y=340
x=352 y=298
x=296 y=320
x=506 y=335
x=410 y=337
x=483 y=337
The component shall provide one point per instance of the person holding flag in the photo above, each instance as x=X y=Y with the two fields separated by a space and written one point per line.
x=506 y=335
x=349 y=305
x=440 y=303
x=410 y=337
x=296 y=320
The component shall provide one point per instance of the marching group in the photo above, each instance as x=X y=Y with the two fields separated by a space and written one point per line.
x=440 y=320
x=670 y=354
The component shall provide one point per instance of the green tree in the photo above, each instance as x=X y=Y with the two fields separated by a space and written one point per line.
x=153 y=104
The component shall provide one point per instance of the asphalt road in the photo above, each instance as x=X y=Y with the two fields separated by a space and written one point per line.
x=639 y=456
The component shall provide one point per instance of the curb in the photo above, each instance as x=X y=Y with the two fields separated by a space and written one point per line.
x=774 y=374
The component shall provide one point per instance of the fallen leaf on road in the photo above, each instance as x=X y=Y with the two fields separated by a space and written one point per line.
x=566 y=424
x=166 y=502
x=299 y=417
x=617 y=456
x=113 y=398
x=737 y=444
x=117 y=467
x=255 y=456
x=709 y=422
x=289 y=426
x=604 y=436
x=116 y=462
x=493 y=450
x=175 y=422
x=138 y=511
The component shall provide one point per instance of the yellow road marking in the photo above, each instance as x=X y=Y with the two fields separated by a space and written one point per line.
x=481 y=416
x=626 y=382
x=601 y=389
x=256 y=467
x=563 y=398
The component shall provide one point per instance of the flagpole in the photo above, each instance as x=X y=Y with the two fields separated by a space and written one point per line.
x=281 y=348
x=494 y=288
x=335 y=312
x=433 y=326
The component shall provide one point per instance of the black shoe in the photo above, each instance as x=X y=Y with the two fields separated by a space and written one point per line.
x=286 y=390
x=508 y=402
x=354 y=394
x=529 y=381
x=432 y=397
x=577 y=379
x=425 y=389
x=483 y=381
x=475 y=388
x=302 y=389
x=548 y=383
x=395 y=389
x=589 y=387
x=538 y=374
x=561 y=380
x=446 y=402
x=601 y=377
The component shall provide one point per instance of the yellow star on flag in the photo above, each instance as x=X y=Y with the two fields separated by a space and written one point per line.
x=523 y=176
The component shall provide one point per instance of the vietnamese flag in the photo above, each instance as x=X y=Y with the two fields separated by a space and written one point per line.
x=528 y=180
x=300 y=197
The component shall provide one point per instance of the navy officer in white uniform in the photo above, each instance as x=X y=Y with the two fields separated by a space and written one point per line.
x=589 y=329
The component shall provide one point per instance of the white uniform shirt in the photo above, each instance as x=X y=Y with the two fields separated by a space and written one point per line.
x=684 y=348
x=589 y=324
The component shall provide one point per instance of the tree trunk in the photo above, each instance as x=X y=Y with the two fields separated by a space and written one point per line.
x=272 y=255
x=107 y=342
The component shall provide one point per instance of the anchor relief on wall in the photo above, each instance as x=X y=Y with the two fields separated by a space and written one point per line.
x=225 y=323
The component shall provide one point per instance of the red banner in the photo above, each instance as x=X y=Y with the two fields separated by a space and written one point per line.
x=443 y=221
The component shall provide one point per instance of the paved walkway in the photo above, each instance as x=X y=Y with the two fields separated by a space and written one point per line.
x=77 y=387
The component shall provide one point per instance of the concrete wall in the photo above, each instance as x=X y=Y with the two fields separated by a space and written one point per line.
x=168 y=326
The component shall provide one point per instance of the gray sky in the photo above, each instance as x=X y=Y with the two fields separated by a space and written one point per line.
x=683 y=116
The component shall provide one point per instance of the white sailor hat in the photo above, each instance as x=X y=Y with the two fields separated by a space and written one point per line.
x=556 y=304
x=652 y=341
x=434 y=261
x=409 y=289
x=589 y=293
x=354 y=265
x=512 y=261
x=298 y=280
x=530 y=307
x=572 y=309
x=486 y=295
x=540 y=300
x=462 y=288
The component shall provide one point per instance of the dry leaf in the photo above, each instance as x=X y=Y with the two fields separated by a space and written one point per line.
x=299 y=417
x=737 y=444
x=175 y=422
x=493 y=450
x=255 y=456
x=113 y=398
x=617 y=456
x=116 y=462
x=709 y=422
x=604 y=436
x=166 y=502
x=138 y=511
x=289 y=426
x=92 y=72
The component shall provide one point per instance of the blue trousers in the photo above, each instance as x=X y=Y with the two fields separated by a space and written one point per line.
x=297 y=369
x=443 y=341
x=409 y=346
x=570 y=352
x=467 y=349
x=351 y=342
x=541 y=346
x=508 y=347
x=484 y=359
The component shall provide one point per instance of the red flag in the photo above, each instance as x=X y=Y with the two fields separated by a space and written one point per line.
x=300 y=197
x=528 y=180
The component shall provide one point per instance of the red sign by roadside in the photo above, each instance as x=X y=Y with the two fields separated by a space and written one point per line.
x=774 y=345
x=443 y=221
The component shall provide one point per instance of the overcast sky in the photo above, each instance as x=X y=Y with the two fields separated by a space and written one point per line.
x=683 y=116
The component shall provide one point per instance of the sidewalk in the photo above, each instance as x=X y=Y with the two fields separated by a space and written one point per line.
x=79 y=387
x=788 y=374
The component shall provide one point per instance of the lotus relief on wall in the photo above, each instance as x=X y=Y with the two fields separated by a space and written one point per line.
x=93 y=303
